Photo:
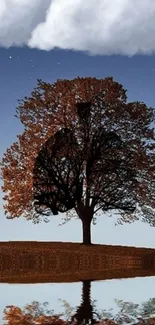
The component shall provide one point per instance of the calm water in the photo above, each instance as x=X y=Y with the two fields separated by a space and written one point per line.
x=87 y=300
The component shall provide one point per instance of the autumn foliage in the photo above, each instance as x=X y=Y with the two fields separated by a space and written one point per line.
x=16 y=316
x=52 y=107
x=34 y=314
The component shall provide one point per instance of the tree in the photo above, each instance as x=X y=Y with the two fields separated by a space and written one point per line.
x=56 y=182
x=114 y=143
x=62 y=166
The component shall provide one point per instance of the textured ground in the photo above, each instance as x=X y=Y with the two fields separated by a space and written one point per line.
x=22 y=262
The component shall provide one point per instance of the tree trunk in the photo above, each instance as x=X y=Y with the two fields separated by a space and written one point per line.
x=86 y=229
x=85 y=214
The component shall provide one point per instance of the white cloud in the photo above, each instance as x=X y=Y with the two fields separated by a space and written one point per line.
x=96 y=26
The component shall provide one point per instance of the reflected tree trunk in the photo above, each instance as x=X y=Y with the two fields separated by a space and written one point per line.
x=84 y=313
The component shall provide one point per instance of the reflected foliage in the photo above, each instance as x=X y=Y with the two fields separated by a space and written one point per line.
x=32 y=314
x=86 y=313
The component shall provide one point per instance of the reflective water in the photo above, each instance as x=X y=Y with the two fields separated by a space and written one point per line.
x=123 y=301
x=65 y=283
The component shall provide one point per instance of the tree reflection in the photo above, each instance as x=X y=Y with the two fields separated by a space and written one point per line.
x=85 y=312
x=32 y=314
x=129 y=313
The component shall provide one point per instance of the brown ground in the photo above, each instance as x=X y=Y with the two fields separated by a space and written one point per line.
x=73 y=246
x=32 y=262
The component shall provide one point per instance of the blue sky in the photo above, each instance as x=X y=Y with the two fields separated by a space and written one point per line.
x=62 y=40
